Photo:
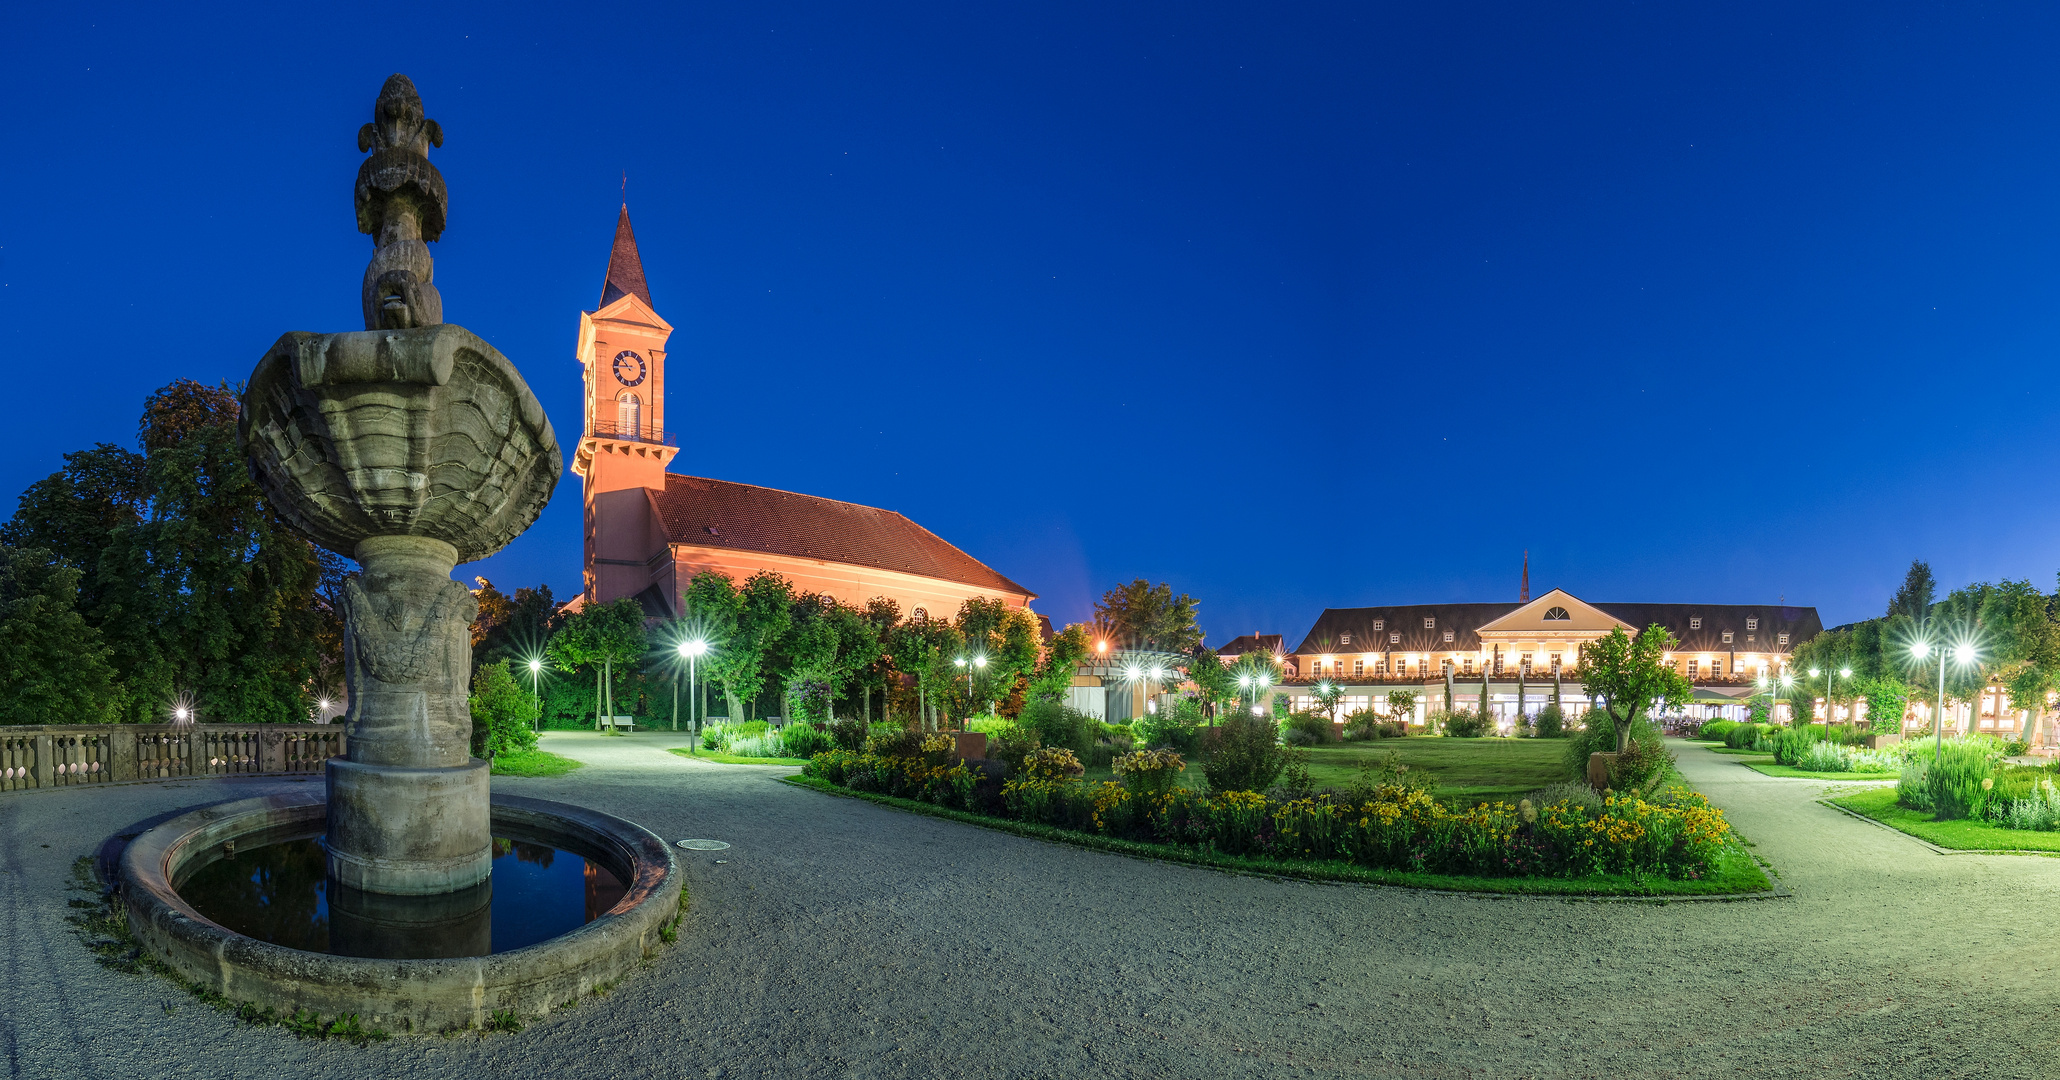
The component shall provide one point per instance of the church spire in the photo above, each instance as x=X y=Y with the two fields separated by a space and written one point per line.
x=1526 y=597
x=625 y=267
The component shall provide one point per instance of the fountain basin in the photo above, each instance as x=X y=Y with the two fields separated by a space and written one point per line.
x=420 y=995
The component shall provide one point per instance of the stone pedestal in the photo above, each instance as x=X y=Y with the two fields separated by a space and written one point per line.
x=408 y=806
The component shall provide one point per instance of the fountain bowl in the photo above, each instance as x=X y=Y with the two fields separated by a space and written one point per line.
x=427 y=995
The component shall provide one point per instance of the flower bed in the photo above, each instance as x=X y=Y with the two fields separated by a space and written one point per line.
x=1676 y=835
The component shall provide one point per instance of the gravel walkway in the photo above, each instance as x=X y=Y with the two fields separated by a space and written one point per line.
x=841 y=939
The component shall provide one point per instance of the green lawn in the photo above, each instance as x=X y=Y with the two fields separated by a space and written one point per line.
x=1739 y=751
x=1469 y=770
x=534 y=763
x=1736 y=874
x=732 y=759
x=1769 y=768
x=1880 y=805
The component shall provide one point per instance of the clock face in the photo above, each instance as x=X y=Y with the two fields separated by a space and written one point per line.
x=629 y=368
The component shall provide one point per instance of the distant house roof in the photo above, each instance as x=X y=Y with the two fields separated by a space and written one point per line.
x=1245 y=643
x=718 y=513
x=1697 y=627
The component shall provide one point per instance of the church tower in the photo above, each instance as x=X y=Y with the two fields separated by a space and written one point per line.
x=625 y=447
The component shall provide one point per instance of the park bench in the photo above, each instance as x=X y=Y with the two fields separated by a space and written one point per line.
x=619 y=723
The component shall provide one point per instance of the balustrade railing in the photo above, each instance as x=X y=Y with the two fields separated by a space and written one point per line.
x=49 y=756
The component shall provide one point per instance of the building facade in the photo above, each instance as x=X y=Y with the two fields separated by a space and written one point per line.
x=1522 y=652
x=648 y=531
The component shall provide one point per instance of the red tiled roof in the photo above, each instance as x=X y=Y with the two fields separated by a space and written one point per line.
x=718 y=513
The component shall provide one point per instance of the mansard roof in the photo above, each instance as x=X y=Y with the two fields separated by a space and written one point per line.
x=1799 y=623
x=1245 y=643
x=719 y=513
x=1696 y=627
x=1351 y=630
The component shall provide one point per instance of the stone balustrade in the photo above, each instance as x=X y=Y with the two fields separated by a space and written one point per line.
x=55 y=755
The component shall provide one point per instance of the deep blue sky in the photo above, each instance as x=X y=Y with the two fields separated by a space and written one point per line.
x=1291 y=307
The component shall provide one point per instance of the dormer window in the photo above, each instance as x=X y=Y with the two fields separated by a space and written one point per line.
x=1695 y=622
x=1394 y=637
x=1556 y=614
x=1781 y=638
x=1345 y=639
x=1752 y=624
x=1448 y=635
x=1727 y=637
x=1380 y=624
x=1429 y=623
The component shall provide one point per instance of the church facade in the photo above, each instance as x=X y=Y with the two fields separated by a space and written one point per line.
x=648 y=530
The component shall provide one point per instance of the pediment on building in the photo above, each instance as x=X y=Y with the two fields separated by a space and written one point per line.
x=631 y=309
x=1556 y=613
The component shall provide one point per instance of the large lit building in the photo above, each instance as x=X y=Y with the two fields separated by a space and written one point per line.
x=1521 y=650
x=648 y=531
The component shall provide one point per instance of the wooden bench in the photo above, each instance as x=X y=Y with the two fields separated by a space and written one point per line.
x=618 y=723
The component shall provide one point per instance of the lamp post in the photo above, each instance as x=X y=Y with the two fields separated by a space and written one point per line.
x=1787 y=680
x=536 y=696
x=691 y=651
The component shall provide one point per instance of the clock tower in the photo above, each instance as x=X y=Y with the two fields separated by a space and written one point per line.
x=624 y=447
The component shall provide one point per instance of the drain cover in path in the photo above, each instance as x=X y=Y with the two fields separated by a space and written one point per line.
x=703 y=845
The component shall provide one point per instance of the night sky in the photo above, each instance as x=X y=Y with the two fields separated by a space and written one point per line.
x=1291 y=307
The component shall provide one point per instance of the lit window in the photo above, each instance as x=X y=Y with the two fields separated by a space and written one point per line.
x=1394 y=637
x=1380 y=624
x=629 y=414
x=1727 y=637
x=1344 y=639
x=1448 y=635
x=1693 y=669
x=1466 y=664
x=1695 y=622
x=1752 y=624
x=919 y=615
x=1781 y=639
x=1429 y=623
x=1557 y=614
x=1358 y=667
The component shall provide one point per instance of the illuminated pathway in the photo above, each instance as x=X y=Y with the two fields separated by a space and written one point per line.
x=842 y=939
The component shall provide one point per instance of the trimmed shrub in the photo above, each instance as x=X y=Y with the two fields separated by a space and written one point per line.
x=803 y=740
x=1913 y=787
x=1367 y=724
x=1716 y=729
x=1244 y=755
x=1056 y=725
x=1011 y=745
x=1644 y=760
x=1791 y=743
x=1551 y=723
x=1741 y=736
x=1466 y=724
x=1312 y=727
x=1178 y=728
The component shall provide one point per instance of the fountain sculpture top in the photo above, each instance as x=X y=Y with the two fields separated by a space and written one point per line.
x=411 y=427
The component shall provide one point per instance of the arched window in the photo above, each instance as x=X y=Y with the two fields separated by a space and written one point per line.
x=919 y=616
x=629 y=415
x=1557 y=614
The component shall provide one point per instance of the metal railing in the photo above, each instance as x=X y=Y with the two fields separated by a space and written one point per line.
x=46 y=756
x=642 y=433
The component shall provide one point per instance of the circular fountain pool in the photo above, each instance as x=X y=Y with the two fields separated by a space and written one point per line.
x=233 y=898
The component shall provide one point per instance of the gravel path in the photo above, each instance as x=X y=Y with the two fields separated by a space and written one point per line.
x=841 y=939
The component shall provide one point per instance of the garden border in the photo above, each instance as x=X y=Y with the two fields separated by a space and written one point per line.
x=1231 y=864
x=1935 y=849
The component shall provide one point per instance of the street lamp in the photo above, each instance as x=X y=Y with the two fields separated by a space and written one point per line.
x=690 y=651
x=1787 y=681
x=536 y=671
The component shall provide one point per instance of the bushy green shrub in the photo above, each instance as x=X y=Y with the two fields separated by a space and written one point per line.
x=1741 y=736
x=1956 y=781
x=1244 y=755
x=1306 y=729
x=1177 y=728
x=1149 y=773
x=1466 y=723
x=1715 y=729
x=1057 y=725
x=848 y=733
x=2025 y=798
x=1550 y=724
x=2015 y=748
x=803 y=740
x=1913 y=787
x=1821 y=756
x=1366 y=724
x=1644 y=760
x=1011 y=745
x=502 y=712
x=1791 y=743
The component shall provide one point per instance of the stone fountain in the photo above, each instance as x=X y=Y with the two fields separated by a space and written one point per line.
x=410 y=446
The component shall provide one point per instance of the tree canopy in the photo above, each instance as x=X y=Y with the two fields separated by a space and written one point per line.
x=1146 y=616
x=1629 y=675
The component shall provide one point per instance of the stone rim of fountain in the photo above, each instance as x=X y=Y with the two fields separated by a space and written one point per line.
x=413 y=995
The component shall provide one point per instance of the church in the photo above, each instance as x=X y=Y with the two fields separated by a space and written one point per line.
x=648 y=531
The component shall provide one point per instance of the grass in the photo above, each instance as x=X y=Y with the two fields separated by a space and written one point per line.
x=732 y=759
x=1466 y=770
x=1769 y=768
x=1961 y=835
x=534 y=763
x=1735 y=875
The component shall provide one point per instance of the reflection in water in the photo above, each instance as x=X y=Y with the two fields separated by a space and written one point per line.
x=280 y=893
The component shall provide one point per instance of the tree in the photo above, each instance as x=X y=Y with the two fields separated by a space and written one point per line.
x=1213 y=681
x=1060 y=662
x=1328 y=694
x=1402 y=704
x=618 y=640
x=74 y=513
x=53 y=666
x=503 y=712
x=512 y=628
x=1005 y=636
x=209 y=595
x=883 y=615
x=924 y=650
x=1913 y=599
x=1629 y=675
x=744 y=627
x=1147 y=616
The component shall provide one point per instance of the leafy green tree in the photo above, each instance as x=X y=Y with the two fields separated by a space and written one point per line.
x=1912 y=599
x=1214 y=683
x=1062 y=657
x=1327 y=695
x=826 y=648
x=618 y=642
x=1628 y=675
x=1147 y=616
x=75 y=512
x=1402 y=704
x=745 y=627
x=882 y=615
x=53 y=666
x=512 y=628
x=925 y=650
x=1006 y=637
x=209 y=594
x=503 y=712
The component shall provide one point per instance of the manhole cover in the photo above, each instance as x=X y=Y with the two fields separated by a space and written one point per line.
x=703 y=845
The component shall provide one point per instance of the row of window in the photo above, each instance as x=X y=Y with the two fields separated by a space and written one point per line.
x=1553 y=615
